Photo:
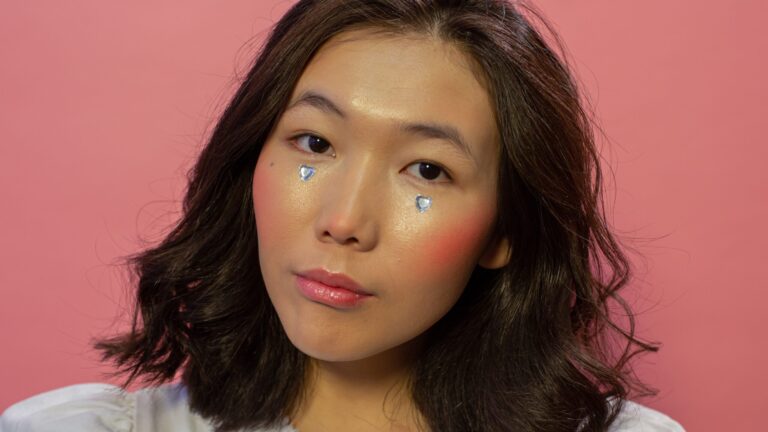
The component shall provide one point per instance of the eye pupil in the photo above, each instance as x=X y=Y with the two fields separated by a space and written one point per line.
x=429 y=171
x=317 y=144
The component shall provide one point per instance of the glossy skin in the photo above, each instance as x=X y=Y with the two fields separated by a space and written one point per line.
x=357 y=214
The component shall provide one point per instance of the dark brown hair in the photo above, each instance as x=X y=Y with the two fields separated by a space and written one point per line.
x=526 y=347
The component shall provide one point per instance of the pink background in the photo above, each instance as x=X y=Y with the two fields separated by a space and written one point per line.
x=103 y=107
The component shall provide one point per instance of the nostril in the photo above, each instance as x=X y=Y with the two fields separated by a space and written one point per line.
x=340 y=238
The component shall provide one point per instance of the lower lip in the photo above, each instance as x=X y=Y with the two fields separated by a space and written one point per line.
x=328 y=295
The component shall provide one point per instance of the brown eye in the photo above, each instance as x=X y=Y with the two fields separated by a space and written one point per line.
x=312 y=143
x=429 y=171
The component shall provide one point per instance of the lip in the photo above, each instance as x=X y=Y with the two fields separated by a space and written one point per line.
x=332 y=289
x=335 y=280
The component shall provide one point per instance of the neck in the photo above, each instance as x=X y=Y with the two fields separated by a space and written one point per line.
x=370 y=394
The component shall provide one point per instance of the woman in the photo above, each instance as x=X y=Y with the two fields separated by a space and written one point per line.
x=395 y=226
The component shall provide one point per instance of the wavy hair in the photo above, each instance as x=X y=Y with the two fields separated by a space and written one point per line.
x=531 y=346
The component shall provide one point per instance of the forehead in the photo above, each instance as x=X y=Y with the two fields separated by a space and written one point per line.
x=386 y=79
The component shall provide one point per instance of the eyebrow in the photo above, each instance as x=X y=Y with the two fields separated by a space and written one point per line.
x=426 y=129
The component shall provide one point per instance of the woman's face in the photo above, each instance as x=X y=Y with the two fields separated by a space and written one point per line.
x=368 y=130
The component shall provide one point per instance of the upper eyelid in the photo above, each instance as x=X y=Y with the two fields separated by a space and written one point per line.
x=442 y=167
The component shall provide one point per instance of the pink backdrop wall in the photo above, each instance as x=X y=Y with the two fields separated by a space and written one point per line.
x=103 y=107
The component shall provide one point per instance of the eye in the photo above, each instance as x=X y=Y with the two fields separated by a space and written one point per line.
x=428 y=171
x=311 y=143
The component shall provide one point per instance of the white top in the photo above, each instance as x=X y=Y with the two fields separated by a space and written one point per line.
x=96 y=407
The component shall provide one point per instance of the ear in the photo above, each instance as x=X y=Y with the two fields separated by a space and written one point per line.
x=497 y=253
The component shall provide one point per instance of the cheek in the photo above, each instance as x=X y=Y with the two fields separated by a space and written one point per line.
x=455 y=245
x=262 y=194
x=266 y=194
x=279 y=204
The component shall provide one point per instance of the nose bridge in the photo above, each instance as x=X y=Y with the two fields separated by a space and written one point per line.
x=348 y=213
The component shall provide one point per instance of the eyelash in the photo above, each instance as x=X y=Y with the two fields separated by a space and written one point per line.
x=294 y=139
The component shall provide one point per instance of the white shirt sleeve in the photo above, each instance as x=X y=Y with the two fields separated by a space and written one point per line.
x=635 y=417
x=98 y=407
x=82 y=407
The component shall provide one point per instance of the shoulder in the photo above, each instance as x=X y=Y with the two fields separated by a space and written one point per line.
x=635 y=417
x=104 y=408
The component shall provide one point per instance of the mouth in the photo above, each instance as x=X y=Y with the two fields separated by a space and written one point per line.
x=334 y=280
x=332 y=289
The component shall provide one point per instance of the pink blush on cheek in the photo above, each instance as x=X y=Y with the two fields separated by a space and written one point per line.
x=454 y=244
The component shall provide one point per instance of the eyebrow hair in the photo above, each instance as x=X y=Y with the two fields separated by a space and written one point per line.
x=426 y=129
x=317 y=100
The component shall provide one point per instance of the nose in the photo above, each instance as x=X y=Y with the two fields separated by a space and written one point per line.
x=350 y=203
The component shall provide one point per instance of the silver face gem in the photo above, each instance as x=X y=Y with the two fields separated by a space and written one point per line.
x=423 y=203
x=306 y=172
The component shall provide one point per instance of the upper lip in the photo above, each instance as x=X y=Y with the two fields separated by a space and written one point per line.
x=339 y=280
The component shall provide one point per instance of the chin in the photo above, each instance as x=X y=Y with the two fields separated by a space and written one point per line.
x=334 y=348
x=335 y=352
x=350 y=349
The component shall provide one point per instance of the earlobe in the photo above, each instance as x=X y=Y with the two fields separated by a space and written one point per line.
x=497 y=254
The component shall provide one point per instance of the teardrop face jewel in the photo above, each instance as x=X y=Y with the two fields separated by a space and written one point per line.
x=423 y=203
x=306 y=172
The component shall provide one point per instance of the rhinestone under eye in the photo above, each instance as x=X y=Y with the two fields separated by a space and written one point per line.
x=306 y=172
x=423 y=203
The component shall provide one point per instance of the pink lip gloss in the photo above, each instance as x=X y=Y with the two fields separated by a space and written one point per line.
x=328 y=295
